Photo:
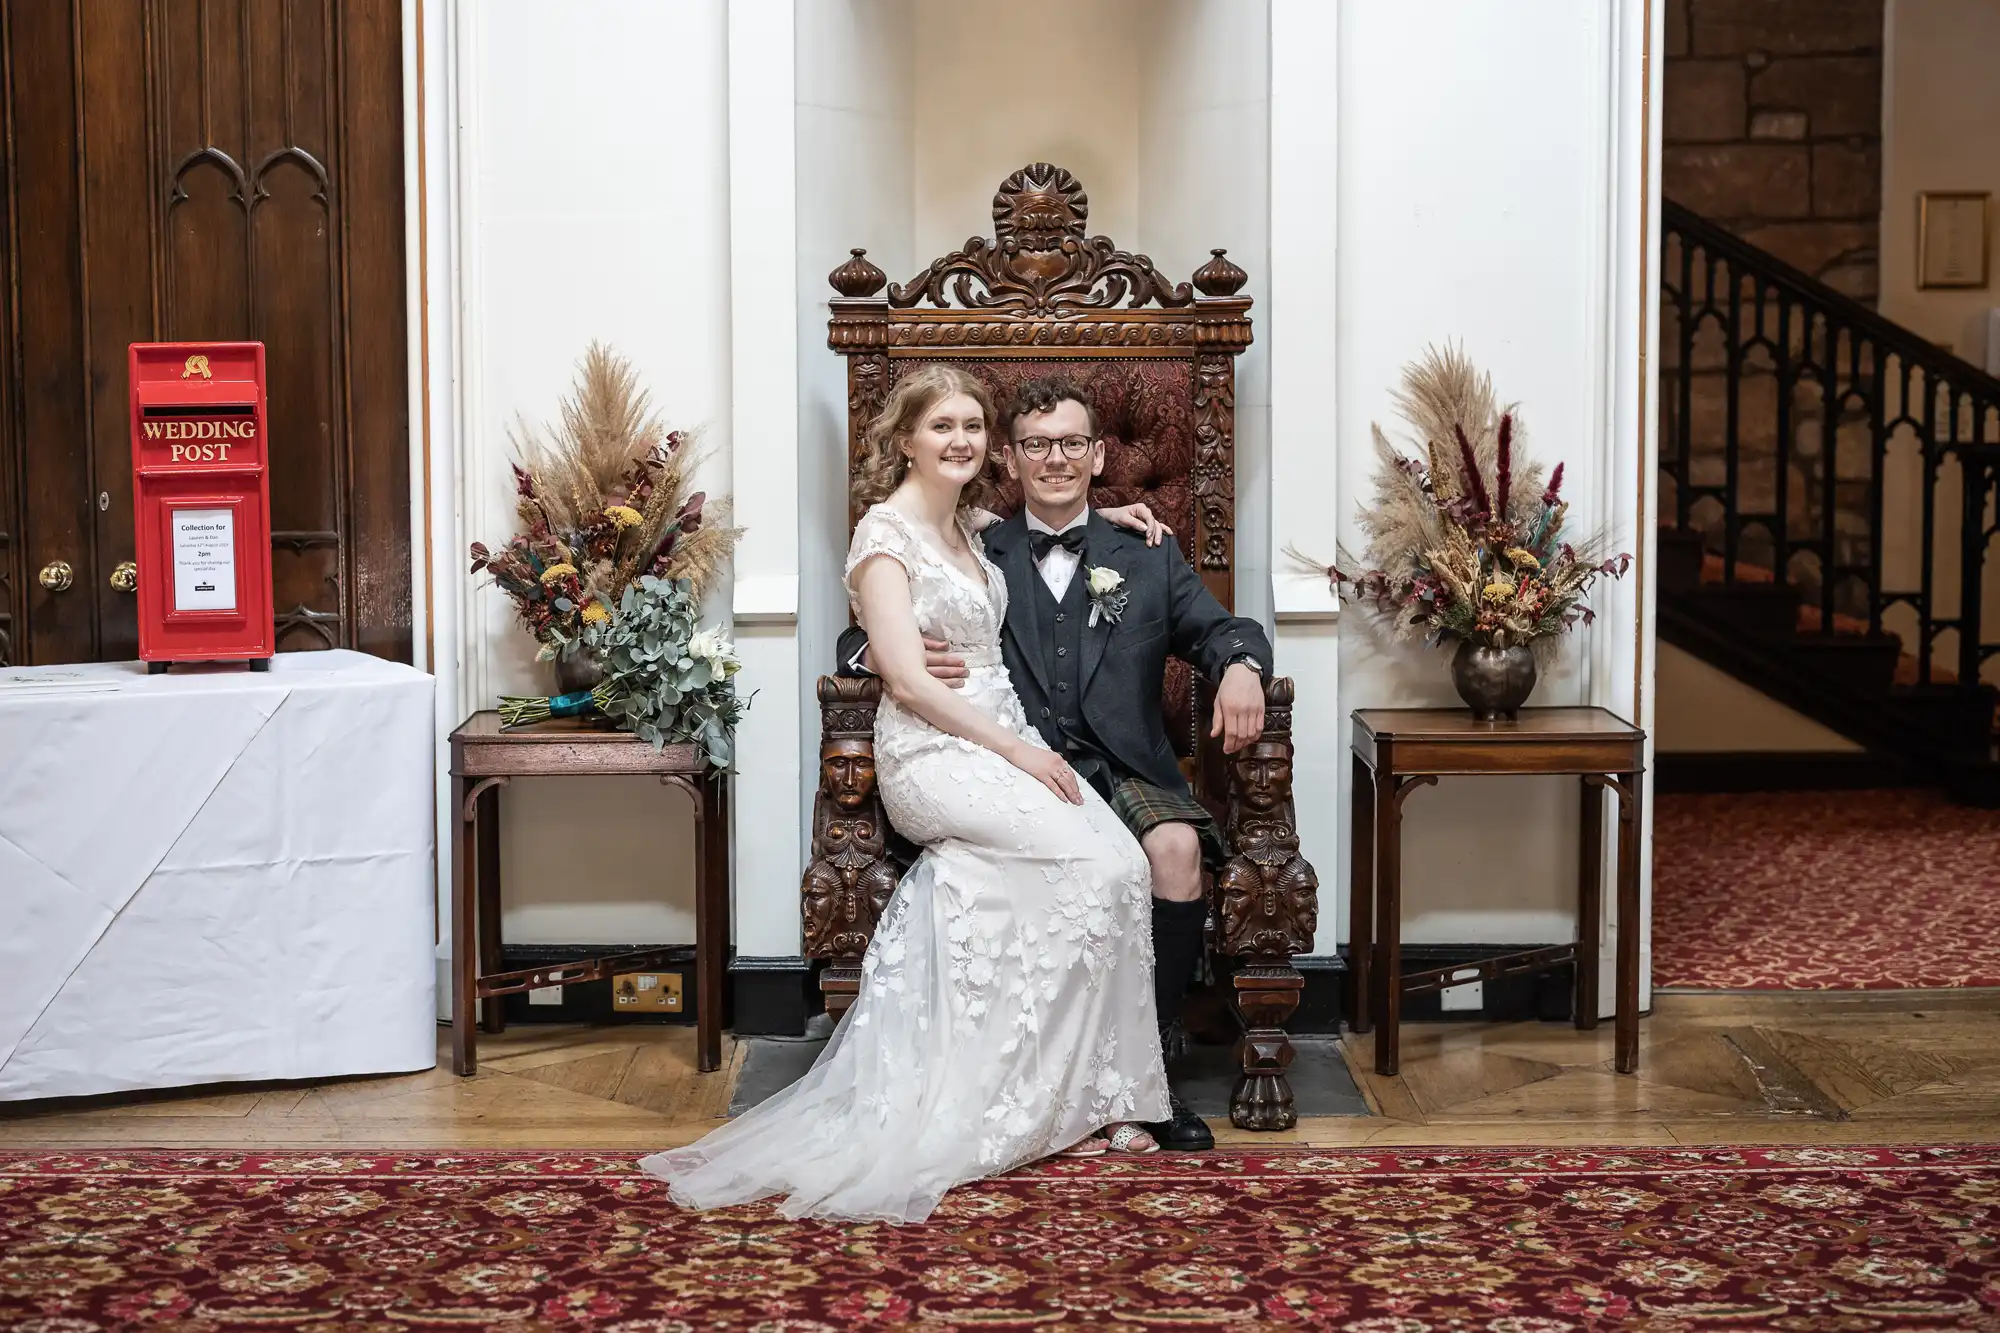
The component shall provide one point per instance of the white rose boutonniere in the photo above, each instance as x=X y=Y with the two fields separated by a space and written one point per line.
x=1107 y=594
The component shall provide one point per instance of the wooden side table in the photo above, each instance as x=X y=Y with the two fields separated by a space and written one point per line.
x=484 y=759
x=1397 y=750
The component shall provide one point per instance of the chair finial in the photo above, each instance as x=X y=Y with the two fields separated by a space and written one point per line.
x=1219 y=277
x=857 y=277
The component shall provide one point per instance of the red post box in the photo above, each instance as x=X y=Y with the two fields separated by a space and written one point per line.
x=201 y=492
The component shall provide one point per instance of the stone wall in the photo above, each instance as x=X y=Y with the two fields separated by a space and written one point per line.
x=1772 y=128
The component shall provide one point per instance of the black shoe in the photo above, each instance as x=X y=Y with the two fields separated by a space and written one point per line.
x=1184 y=1131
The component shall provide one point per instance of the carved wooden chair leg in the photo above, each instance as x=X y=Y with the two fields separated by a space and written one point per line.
x=1267 y=994
x=1270 y=909
x=850 y=877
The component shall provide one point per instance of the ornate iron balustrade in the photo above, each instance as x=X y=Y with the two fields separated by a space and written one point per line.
x=1808 y=438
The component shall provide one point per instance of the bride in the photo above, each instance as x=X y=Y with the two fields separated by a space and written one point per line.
x=1006 y=1002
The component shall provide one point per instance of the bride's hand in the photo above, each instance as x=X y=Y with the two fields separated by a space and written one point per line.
x=1138 y=518
x=1048 y=768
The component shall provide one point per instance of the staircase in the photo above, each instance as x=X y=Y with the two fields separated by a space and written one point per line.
x=1828 y=505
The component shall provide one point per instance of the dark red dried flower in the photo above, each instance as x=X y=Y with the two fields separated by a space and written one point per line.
x=1463 y=511
x=690 y=516
x=1473 y=479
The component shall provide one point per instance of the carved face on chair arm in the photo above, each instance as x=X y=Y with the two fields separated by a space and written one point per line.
x=842 y=905
x=1263 y=773
x=1265 y=911
x=847 y=772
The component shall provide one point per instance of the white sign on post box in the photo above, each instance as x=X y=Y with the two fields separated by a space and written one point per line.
x=204 y=559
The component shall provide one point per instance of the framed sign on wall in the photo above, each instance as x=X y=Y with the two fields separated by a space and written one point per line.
x=1952 y=238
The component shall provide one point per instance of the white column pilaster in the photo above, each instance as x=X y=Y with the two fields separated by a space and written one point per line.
x=433 y=121
x=1622 y=646
x=769 y=842
x=1304 y=462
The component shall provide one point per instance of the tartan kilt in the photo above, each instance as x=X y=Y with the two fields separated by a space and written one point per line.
x=1141 y=806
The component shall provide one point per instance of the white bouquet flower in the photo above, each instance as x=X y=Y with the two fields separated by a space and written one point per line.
x=709 y=646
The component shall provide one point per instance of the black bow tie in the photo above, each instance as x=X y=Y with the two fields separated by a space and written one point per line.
x=1041 y=543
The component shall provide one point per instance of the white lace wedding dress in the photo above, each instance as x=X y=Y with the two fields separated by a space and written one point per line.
x=1006 y=1004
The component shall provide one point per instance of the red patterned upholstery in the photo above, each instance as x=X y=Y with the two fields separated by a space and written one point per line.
x=1145 y=412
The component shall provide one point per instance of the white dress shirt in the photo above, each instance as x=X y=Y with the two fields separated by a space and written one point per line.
x=1058 y=567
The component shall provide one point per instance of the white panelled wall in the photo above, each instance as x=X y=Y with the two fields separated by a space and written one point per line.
x=678 y=180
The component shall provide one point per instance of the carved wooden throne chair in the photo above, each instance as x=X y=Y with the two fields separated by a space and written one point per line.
x=1159 y=359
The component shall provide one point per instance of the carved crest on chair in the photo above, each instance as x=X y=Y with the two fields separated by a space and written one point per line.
x=1041 y=259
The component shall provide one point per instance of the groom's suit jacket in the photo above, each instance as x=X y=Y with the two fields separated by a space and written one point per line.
x=1099 y=686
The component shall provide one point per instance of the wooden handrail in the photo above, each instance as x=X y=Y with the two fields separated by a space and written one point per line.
x=1858 y=369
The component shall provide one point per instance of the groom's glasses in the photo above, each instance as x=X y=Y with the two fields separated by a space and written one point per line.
x=1037 y=447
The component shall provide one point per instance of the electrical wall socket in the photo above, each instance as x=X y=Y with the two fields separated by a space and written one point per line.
x=646 y=992
x=1466 y=995
x=545 y=995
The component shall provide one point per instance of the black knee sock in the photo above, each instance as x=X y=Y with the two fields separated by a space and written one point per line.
x=1177 y=949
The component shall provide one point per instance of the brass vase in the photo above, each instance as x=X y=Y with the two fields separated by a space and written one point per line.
x=576 y=673
x=1494 y=682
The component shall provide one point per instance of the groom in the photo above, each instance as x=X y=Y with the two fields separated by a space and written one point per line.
x=1092 y=615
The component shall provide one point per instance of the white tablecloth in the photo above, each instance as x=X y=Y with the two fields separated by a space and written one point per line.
x=214 y=875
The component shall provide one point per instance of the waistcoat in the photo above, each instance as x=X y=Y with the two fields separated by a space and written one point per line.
x=1062 y=629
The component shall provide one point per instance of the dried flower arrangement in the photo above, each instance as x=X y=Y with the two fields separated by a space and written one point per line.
x=606 y=496
x=609 y=571
x=1466 y=543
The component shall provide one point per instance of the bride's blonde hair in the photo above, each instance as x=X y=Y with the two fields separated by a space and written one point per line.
x=883 y=463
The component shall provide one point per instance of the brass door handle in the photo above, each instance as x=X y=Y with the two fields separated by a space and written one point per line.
x=57 y=576
x=125 y=578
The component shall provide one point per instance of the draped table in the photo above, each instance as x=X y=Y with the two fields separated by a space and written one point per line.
x=213 y=875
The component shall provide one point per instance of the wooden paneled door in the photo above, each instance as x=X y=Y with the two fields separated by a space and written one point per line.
x=202 y=169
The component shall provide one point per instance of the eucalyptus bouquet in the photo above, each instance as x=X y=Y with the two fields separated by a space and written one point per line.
x=665 y=680
x=1466 y=542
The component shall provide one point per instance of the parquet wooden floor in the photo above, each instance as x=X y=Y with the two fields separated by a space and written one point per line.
x=1879 y=1067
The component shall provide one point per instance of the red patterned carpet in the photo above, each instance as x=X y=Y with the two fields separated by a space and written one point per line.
x=1851 y=890
x=1426 y=1241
